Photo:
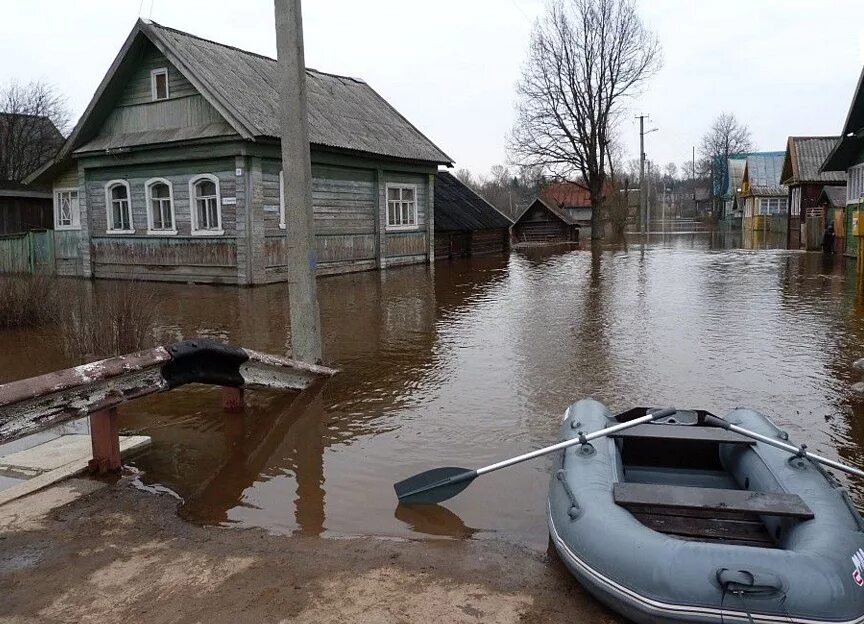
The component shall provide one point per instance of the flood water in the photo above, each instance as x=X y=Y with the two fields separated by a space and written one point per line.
x=476 y=360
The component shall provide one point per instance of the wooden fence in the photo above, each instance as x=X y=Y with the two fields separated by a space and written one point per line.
x=30 y=252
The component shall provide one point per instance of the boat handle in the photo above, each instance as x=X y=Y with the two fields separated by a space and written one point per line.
x=749 y=583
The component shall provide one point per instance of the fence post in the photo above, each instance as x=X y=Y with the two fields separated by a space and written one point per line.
x=105 y=438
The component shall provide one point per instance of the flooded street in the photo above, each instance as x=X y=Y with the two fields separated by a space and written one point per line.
x=476 y=360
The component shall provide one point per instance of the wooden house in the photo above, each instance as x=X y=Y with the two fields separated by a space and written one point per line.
x=465 y=223
x=764 y=198
x=848 y=156
x=174 y=170
x=542 y=222
x=804 y=156
x=832 y=201
x=733 y=205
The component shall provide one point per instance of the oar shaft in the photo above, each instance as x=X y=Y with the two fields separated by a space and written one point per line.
x=572 y=442
x=789 y=447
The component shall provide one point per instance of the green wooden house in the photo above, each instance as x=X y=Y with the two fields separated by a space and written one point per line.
x=848 y=156
x=174 y=170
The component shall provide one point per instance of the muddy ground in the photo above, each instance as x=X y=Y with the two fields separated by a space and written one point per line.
x=111 y=553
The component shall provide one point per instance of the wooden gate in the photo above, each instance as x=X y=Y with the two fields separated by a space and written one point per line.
x=30 y=252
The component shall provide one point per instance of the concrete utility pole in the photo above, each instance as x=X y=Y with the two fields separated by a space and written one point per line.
x=297 y=172
x=643 y=204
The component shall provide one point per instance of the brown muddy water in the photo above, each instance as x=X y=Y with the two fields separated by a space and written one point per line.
x=476 y=360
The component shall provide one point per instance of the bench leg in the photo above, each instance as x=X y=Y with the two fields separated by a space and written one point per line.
x=105 y=438
x=232 y=399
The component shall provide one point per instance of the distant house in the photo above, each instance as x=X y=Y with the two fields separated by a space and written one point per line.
x=832 y=200
x=541 y=222
x=573 y=199
x=848 y=155
x=765 y=200
x=465 y=223
x=804 y=156
x=174 y=171
x=26 y=143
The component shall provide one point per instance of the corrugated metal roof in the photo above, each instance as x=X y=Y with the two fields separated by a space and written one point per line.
x=457 y=207
x=835 y=195
x=805 y=156
x=344 y=112
x=763 y=173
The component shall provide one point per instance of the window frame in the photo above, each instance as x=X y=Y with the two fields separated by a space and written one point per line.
x=281 y=199
x=151 y=230
x=193 y=206
x=76 y=212
x=109 y=208
x=855 y=184
x=402 y=227
x=159 y=71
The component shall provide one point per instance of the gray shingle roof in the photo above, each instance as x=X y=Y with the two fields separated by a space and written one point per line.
x=835 y=195
x=805 y=155
x=553 y=209
x=344 y=113
x=763 y=173
x=457 y=207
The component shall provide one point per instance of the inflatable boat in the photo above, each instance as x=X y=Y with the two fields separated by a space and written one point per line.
x=679 y=521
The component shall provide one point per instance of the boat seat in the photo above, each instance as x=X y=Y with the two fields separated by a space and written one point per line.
x=683 y=433
x=654 y=498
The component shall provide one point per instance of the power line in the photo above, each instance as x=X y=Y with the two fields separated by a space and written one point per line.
x=519 y=8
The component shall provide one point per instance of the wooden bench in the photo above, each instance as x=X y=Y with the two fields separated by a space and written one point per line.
x=708 y=514
x=683 y=433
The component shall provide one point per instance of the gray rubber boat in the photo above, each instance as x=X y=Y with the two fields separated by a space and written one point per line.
x=678 y=521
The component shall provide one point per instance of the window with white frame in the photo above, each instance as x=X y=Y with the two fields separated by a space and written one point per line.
x=159 y=84
x=67 y=215
x=401 y=206
x=855 y=184
x=796 y=202
x=205 y=202
x=118 y=208
x=281 y=200
x=160 y=207
x=772 y=205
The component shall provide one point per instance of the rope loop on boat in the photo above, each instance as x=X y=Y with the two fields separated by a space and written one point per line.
x=574 y=509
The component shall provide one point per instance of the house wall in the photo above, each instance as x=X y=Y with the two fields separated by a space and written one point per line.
x=69 y=245
x=458 y=243
x=539 y=225
x=137 y=90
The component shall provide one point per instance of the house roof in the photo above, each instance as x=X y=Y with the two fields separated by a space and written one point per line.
x=847 y=151
x=553 y=209
x=344 y=113
x=833 y=195
x=762 y=172
x=804 y=156
x=40 y=140
x=567 y=194
x=457 y=207
x=735 y=173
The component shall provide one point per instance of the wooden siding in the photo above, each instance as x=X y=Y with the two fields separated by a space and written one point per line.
x=67 y=179
x=454 y=244
x=21 y=214
x=406 y=244
x=192 y=111
x=138 y=90
x=179 y=174
x=67 y=252
x=538 y=225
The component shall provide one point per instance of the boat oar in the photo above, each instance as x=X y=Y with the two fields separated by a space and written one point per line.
x=795 y=450
x=440 y=484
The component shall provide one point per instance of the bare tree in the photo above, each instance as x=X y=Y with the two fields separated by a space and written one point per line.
x=585 y=59
x=726 y=137
x=33 y=119
x=465 y=177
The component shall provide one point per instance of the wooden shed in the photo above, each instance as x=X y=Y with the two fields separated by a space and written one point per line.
x=24 y=208
x=804 y=156
x=541 y=222
x=465 y=223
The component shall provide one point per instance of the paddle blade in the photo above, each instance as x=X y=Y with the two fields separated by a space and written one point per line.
x=434 y=486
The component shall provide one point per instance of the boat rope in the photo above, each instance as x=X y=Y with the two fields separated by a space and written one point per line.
x=574 y=510
x=740 y=594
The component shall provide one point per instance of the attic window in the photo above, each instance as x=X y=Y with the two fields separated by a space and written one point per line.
x=159 y=84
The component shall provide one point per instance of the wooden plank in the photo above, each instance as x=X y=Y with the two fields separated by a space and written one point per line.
x=684 y=433
x=679 y=497
x=720 y=529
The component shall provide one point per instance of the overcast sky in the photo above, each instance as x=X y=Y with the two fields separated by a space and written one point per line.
x=782 y=66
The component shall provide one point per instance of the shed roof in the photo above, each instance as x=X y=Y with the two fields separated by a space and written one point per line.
x=344 y=113
x=762 y=172
x=458 y=207
x=833 y=195
x=552 y=209
x=847 y=151
x=804 y=156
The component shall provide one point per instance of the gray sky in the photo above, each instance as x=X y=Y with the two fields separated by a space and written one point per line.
x=782 y=66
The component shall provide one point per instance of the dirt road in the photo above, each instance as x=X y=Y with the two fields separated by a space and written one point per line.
x=111 y=553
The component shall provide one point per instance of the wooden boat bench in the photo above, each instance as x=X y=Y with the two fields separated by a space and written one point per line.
x=708 y=514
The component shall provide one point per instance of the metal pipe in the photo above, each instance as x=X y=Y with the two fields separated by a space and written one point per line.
x=582 y=439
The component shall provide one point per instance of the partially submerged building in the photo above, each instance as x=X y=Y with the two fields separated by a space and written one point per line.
x=542 y=222
x=174 y=170
x=465 y=223
x=765 y=199
x=733 y=205
x=572 y=199
x=804 y=156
